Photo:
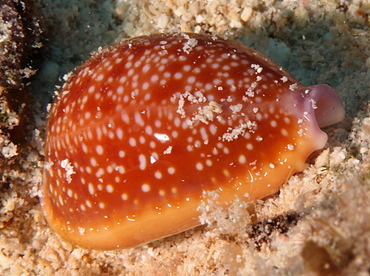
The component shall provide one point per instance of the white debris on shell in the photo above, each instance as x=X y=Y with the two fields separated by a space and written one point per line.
x=257 y=67
x=48 y=165
x=237 y=131
x=81 y=231
x=290 y=147
x=190 y=44
x=284 y=79
x=168 y=150
x=236 y=108
x=313 y=102
x=152 y=159
x=203 y=114
x=180 y=108
x=293 y=86
x=206 y=113
x=250 y=91
x=197 y=98
x=65 y=164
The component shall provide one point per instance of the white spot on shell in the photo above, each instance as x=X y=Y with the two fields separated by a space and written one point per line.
x=145 y=188
x=99 y=149
x=142 y=160
x=171 y=170
x=124 y=196
x=242 y=159
x=91 y=189
x=199 y=166
x=109 y=188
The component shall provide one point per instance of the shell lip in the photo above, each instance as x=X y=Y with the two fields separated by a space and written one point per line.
x=321 y=107
x=325 y=103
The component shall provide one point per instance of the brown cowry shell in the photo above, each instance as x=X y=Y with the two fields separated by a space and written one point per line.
x=144 y=127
